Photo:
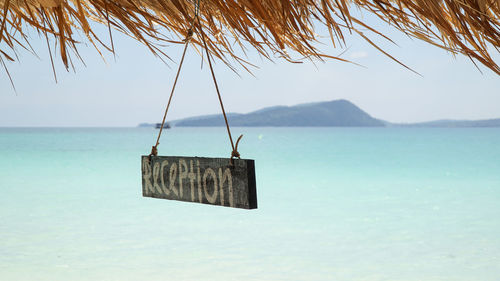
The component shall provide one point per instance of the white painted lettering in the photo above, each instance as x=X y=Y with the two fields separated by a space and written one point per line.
x=213 y=197
x=173 y=175
x=200 y=198
x=146 y=176
x=183 y=172
x=156 y=175
x=191 y=177
x=164 y=187
x=222 y=179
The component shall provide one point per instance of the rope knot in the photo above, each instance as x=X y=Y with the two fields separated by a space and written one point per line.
x=154 y=151
x=235 y=154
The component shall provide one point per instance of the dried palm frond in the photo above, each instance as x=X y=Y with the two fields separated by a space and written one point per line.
x=468 y=27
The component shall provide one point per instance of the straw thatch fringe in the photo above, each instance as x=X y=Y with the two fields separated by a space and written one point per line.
x=468 y=27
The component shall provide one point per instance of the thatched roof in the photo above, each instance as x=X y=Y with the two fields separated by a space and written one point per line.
x=274 y=28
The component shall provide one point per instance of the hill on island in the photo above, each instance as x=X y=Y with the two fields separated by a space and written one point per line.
x=337 y=113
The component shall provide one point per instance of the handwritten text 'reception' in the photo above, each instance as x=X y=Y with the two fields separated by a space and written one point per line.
x=203 y=180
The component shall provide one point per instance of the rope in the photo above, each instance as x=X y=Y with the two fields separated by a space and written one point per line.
x=234 y=153
x=154 y=148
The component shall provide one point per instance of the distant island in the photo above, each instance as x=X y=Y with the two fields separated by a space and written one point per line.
x=337 y=113
x=455 y=123
x=155 y=125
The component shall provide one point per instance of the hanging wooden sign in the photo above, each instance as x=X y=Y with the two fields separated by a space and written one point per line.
x=201 y=180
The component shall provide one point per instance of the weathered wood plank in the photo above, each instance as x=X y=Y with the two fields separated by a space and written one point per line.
x=201 y=180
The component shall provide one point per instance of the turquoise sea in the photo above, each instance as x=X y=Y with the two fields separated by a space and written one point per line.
x=370 y=204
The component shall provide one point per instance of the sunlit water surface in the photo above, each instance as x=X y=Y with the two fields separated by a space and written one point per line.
x=334 y=204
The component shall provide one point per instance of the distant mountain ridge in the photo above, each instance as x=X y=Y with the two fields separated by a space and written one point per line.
x=336 y=113
x=456 y=123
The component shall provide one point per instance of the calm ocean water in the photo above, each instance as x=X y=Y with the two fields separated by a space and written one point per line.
x=334 y=204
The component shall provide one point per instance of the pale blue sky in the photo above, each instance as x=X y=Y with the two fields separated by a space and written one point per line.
x=135 y=88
